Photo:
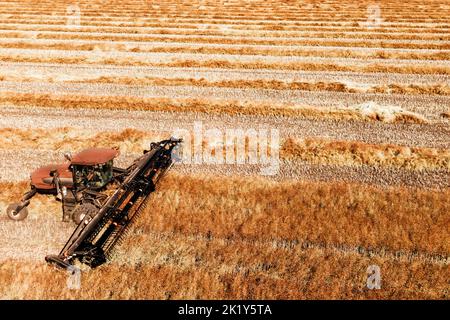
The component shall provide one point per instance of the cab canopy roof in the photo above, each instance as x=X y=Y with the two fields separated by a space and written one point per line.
x=93 y=156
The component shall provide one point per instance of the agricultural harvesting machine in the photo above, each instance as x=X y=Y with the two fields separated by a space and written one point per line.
x=102 y=199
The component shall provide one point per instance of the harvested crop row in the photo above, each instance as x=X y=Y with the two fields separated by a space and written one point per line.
x=428 y=106
x=227 y=49
x=411 y=89
x=17 y=165
x=335 y=53
x=356 y=153
x=386 y=129
x=97 y=55
x=211 y=107
x=206 y=25
x=225 y=64
x=348 y=42
x=344 y=42
x=137 y=28
x=237 y=8
x=313 y=67
x=236 y=15
x=255 y=8
x=72 y=72
x=272 y=84
x=240 y=33
x=166 y=57
x=241 y=4
x=217 y=19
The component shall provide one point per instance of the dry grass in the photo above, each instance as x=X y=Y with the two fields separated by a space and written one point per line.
x=12 y=191
x=312 y=278
x=312 y=275
x=331 y=213
x=323 y=213
x=216 y=237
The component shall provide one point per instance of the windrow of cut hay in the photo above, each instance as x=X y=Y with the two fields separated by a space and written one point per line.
x=412 y=89
x=350 y=42
x=226 y=64
x=322 y=151
x=242 y=33
x=371 y=112
x=230 y=11
x=335 y=53
x=182 y=28
x=216 y=25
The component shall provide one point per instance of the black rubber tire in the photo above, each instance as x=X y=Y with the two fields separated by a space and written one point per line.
x=16 y=216
x=82 y=210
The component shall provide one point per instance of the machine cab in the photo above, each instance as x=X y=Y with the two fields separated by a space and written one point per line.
x=93 y=168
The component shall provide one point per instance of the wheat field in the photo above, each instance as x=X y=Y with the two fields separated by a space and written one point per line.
x=358 y=93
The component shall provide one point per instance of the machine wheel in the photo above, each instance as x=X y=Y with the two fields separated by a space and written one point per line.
x=82 y=210
x=11 y=210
